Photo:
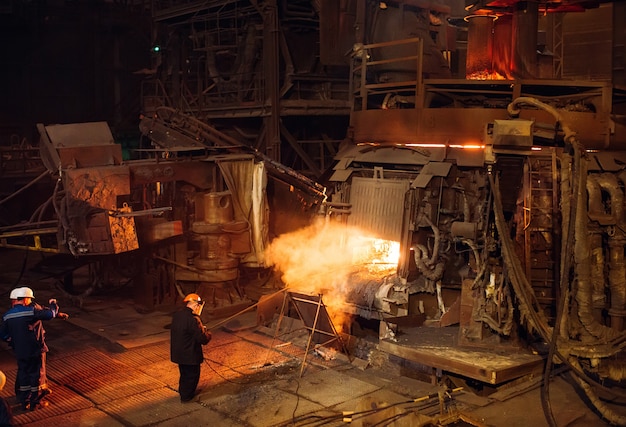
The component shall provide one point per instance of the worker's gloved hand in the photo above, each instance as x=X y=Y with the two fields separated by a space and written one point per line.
x=63 y=316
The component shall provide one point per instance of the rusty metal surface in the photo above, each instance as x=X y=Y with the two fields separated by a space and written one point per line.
x=426 y=125
x=81 y=366
x=79 y=157
x=163 y=367
x=61 y=401
x=435 y=347
x=123 y=232
x=80 y=134
x=121 y=384
x=268 y=306
x=378 y=206
x=198 y=174
x=100 y=186
x=94 y=192
x=148 y=354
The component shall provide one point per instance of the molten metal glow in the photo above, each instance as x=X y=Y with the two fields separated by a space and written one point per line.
x=485 y=75
x=321 y=258
x=463 y=146
x=424 y=145
x=469 y=146
x=375 y=254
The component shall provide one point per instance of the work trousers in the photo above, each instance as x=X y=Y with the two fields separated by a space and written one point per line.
x=27 y=379
x=189 y=378
x=43 y=376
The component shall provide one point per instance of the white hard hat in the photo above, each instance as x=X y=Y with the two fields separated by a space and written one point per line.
x=22 y=293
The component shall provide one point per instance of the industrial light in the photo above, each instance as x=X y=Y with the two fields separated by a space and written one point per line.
x=424 y=145
x=463 y=146
x=471 y=6
x=467 y=146
x=468 y=17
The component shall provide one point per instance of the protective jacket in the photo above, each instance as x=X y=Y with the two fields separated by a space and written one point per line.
x=188 y=335
x=22 y=327
x=6 y=416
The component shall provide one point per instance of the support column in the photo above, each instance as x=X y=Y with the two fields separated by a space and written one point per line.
x=271 y=74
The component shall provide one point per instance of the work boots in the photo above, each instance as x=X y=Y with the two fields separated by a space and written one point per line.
x=36 y=401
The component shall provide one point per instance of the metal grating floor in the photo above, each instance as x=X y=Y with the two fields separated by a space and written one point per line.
x=62 y=401
x=69 y=370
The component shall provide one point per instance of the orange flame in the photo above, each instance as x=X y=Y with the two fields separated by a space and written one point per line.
x=320 y=259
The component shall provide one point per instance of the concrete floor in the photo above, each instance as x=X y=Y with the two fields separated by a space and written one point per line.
x=109 y=366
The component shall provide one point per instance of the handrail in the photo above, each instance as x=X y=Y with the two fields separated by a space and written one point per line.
x=366 y=65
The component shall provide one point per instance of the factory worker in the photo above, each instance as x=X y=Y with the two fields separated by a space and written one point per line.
x=6 y=417
x=188 y=335
x=22 y=327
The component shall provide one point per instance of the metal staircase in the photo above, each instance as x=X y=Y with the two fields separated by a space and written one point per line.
x=541 y=234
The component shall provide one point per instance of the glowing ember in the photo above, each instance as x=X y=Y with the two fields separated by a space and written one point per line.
x=485 y=75
x=320 y=259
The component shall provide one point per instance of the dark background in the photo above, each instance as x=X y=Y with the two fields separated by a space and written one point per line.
x=71 y=61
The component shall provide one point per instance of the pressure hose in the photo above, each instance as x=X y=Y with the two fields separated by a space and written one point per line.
x=574 y=231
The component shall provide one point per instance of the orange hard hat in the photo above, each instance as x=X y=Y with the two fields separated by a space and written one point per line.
x=192 y=297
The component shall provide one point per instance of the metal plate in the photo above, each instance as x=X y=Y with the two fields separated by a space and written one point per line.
x=378 y=206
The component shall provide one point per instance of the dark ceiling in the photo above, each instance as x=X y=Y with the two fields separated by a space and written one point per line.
x=72 y=61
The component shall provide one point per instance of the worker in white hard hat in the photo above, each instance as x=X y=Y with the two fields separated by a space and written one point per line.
x=22 y=327
x=188 y=335
x=14 y=293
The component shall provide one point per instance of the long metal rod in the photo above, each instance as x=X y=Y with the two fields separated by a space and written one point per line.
x=34 y=232
x=243 y=311
x=142 y=212
x=308 y=344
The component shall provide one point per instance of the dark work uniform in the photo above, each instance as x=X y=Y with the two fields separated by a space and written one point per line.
x=22 y=327
x=6 y=417
x=188 y=335
x=40 y=333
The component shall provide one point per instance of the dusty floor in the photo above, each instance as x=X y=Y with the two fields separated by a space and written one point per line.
x=109 y=366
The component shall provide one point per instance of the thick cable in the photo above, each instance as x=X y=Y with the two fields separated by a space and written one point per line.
x=24 y=188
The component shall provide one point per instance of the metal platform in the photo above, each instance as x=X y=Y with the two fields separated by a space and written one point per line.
x=438 y=348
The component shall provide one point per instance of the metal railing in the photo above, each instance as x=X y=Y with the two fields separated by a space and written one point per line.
x=398 y=60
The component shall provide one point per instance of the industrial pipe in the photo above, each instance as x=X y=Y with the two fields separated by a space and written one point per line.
x=581 y=248
x=420 y=254
x=582 y=256
x=617 y=278
x=608 y=182
x=596 y=211
x=514 y=109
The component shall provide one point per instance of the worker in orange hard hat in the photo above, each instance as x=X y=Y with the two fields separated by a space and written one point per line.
x=188 y=335
x=192 y=297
